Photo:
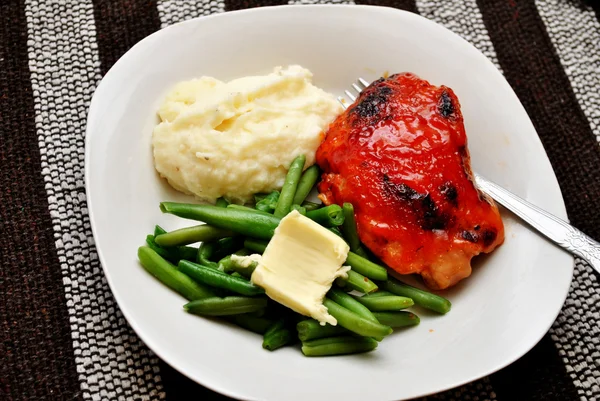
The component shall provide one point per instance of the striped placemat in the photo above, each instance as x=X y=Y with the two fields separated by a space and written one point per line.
x=63 y=336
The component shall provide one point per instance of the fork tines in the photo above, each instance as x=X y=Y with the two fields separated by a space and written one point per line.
x=358 y=88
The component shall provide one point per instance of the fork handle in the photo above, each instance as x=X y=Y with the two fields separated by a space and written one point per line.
x=559 y=231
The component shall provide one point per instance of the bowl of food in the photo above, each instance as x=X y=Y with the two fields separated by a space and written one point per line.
x=271 y=242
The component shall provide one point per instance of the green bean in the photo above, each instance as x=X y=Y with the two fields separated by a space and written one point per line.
x=310 y=206
x=158 y=230
x=252 y=224
x=306 y=184
x=233 y=305
x=151 y=242
x=350 y=232
x=348 y=302
x=216 y=278
x=245 y=271
x=327 y=216
x=362 y=253
x=221 y=202
x=349 y=227
x=227 y=246
x=255 y=245
x=246 y=209
x=337 y=232
x=231 y=265
x=397 y=319
x=357 y=282
x=268 y=203
x=354 y=322
x=187 y=253
x=190 y=235
x=168 y=254
x=170 y=276
x=205 y=252
x=384 y=303
x=224 y=263
x=310 y=329
x=260 y=312
x=259 y=325
x=299 y=209
x=379 y=293
x=237 y=275
x=366 y=267
x=288 y=191
x=338 y=346
x=277 y=335
x=420 y=297
x=173 y=254
x=259 y=196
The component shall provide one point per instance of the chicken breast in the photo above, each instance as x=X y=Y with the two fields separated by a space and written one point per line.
x=399 y=155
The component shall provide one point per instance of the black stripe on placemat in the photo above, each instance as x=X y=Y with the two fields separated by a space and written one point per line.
x=120 y=24
x=538 y=376
x=232 y=5
x=408 y=5
x=533 y=69
x=36 y=349
x=594 y=4
x=179 y=387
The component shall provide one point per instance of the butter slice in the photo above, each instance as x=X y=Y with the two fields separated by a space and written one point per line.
x=246 y=261
x=300 y=264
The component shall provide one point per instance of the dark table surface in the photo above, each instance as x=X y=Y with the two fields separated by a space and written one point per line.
x=63 y=336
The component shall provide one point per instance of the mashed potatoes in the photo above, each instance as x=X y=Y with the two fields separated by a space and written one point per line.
x=238 y=138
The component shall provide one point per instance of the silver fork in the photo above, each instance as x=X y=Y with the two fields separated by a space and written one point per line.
x=557 y=230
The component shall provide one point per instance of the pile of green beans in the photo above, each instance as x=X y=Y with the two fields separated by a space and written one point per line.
x=365 y=303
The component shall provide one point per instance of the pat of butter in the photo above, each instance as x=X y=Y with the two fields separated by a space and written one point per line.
x=246 y=261
x=300 y=264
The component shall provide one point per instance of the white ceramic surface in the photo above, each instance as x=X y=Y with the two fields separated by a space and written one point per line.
x=498 y=314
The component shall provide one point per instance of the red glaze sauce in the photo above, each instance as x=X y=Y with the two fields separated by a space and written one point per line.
x=399 y=155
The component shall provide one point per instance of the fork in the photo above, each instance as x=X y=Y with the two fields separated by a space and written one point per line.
x=557 y=230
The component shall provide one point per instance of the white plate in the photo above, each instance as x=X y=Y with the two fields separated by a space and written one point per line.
x=498 y=314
